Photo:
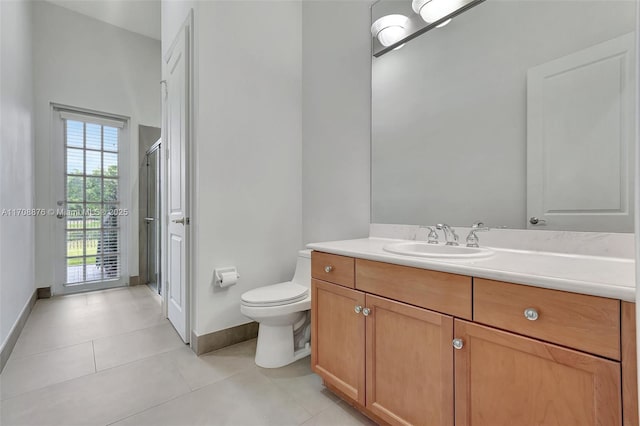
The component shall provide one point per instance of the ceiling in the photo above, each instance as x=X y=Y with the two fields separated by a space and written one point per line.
x=139 y=16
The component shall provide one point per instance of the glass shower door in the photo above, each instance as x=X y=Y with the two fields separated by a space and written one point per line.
x=153 y=217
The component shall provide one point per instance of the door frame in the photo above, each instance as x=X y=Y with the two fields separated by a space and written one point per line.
x=190 y=174
x=57 y=167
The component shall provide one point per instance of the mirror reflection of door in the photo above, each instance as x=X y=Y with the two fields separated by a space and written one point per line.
x=580 y=139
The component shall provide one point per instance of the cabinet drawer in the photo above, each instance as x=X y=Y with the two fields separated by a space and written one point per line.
x=587 y=323
x=333 y=268
x=438 y=291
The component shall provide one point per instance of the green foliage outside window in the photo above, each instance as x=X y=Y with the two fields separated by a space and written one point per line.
x=94 y=187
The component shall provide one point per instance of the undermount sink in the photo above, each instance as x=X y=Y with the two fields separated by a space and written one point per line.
x=442 y=251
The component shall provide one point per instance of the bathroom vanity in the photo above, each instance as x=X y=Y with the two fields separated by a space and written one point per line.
x=421 y=341
x=519 y=115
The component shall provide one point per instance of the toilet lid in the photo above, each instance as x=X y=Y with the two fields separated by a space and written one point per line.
x=276 y=294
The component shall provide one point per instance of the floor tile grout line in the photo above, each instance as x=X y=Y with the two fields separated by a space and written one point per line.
x=182 y=395
x=114 y=307
x=96 y=371
x=150 y=408
x=93 y=349
x=139 y=359
x=94 y=338
x=298 y=401
x=89 y=315
x=21 y=357
x=243 y=370
x=83 y=342
x=49 y=385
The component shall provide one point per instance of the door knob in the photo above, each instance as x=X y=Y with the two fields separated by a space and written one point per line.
x=457 y=343
x=183 y=221
x=358 y=309
x=328 y=268
x=366 y=312
x=535 y=221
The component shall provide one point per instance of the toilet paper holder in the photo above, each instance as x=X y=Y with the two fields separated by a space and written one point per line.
x=222 y=276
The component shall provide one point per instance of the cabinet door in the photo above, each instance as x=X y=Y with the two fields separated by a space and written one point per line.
x=409 y=363
x=506 y=379
x=337 y=338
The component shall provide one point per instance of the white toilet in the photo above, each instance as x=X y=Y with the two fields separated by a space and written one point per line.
x=282 y=310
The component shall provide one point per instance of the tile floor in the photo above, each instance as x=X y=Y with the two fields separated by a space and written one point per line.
x=109 y=358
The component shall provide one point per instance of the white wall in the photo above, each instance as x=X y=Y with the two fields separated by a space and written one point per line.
x=248 y=151
x=17 y=186
x=336 y=125
x=282 y=112
x=86 y=63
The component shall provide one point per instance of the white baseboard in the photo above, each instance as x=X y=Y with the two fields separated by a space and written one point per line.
x=16 y=329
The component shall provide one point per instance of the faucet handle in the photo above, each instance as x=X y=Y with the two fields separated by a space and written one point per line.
x=472 y=238
x=432 y=238
x=479 y=226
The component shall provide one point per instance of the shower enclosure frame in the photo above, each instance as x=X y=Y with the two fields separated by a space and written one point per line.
x=153 y=222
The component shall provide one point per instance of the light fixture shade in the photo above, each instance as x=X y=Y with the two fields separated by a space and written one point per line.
x=390 y=29
x=432 y=10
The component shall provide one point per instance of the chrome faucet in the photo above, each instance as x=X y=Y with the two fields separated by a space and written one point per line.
x=449 y=234
x=472 y=238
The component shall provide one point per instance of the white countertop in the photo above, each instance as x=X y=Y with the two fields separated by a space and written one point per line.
x=594 y=275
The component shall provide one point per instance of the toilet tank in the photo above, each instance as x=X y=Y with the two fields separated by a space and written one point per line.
x=303 y=269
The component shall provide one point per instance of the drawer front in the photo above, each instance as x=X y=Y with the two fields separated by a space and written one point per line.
x=333 y=268
x=438 y=291
x=586 y=323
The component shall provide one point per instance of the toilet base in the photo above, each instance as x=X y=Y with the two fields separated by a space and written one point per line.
x=275 y=346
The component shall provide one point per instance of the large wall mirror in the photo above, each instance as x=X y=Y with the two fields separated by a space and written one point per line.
x=517 y=109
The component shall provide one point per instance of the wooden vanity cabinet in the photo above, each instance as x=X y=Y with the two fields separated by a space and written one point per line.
x=587 y=323
x=404 y=351
x=409 y=364
x=383 y=339
x=338 y=338
x=506 y=379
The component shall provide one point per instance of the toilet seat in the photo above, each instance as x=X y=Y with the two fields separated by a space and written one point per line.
x=275 y=295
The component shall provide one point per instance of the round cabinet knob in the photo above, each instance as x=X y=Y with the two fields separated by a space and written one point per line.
x=457 y=343
x=531 y=314
x=366 y=312
x=358 y=309
x=328 y=268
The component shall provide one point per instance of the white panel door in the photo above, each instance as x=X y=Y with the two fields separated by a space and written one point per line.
x=580 y=141
x=177 y=134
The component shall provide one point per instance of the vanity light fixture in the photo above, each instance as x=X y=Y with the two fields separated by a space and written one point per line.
x=393 y=31
x=432 y=10
x=390 y=29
